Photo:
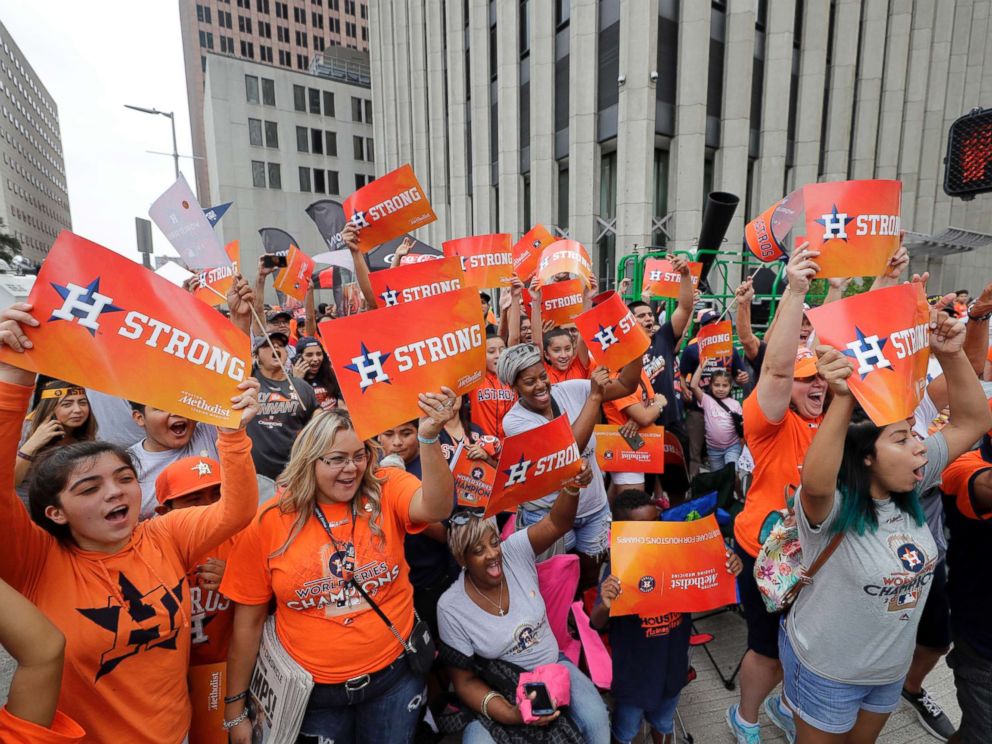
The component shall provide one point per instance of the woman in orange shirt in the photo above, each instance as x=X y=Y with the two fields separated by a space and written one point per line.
x=116 y=589
x=338 y=519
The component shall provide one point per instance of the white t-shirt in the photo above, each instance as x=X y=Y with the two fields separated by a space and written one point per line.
x=150 y=464
x=570 y=396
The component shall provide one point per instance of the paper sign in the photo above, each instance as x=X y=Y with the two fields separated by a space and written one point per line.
x=487 y=259
x=670 y=567
x=351 y=298
x=473 y=482
x=417 y=281
x=610 y=331
x=886 y=333
x=110 y=324
x=561 y=302
x=661 y=280
x=207 y=689
x=716 y=342
x=614 y=455
x=388 y=207
x=385 y=358
x=294 y=280
x=527 y=251
x=180 y=218
x=220 y=278
x=564 y=257
x=535 y=464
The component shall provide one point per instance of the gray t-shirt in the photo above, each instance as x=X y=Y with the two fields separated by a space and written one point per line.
x=522 y=636
x=150 y=464
x=571 y=396
x=856 y=623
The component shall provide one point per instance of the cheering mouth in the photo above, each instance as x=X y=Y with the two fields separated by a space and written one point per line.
x=118 y=514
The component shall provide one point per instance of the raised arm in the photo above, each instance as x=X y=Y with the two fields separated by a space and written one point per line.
x=897 y=264
x=744 y=295
x=588 y=417
x=259 y=293
x=433 y=501
x=240 y=300
x=560 y=519
x=626 y=382
x=310 y=322
x=350 y=237
x=683 y=311
x=514 y=312
x=976 y=340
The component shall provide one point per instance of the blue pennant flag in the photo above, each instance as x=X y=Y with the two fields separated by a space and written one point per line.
x=213 y=214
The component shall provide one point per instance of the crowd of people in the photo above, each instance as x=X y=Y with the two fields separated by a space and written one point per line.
x=140 y=543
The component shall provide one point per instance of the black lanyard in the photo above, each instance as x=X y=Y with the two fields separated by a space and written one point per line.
x=327 y=528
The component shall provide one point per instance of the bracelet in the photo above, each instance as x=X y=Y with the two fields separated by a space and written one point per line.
x=980 y=318
x=25 y=456
x=486 y=700
x=235 y=698
x=424 y=440
x=570 y=490
x=228 y=725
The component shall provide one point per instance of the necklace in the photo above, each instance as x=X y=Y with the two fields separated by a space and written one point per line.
x=499 y=607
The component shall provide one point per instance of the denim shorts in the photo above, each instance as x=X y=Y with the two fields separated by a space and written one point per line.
x=828 y=705
x=590 y=535
x=627 y=719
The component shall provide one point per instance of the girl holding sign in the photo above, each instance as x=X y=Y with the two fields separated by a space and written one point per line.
x=860 y=499
x=62 y=417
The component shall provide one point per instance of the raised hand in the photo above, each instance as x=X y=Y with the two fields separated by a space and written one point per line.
x=246 y=401
x=834 y=368
x=801 y=269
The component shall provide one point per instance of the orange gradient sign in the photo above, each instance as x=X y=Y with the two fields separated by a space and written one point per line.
x=561 y=302
x=564 y=257
x=215 y=283
x=886 y=334
x=670 y=567
x=610 y=331
x=294 y=280
x=527 y=251
x=716 y=342
x=385 y=358
x=614 y=455
x=487 y=259
x=390 y=206
x=207 y=689
x=110 y=324
x=535 y=464
x=473 y=482
x=662 y=280
x=411 y=282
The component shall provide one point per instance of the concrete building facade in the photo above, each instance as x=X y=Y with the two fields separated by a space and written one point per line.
x=277 y=141
x=283 y=33
x=34 y=200
x=611 y=120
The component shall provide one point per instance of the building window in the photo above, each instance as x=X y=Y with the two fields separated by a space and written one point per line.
x=319 y=185
x=275 y=176
x=251 y=86
x=314 y=100
x=305 y=179
x=328 y=103
x=331 y=144
x=247 y=49
x=318 y=43
x=301 y=61
x=244 y=24
x=359 y=147
x=258 y=174
x=265 y=29
x=365 y=11
x=302 y=142
x=356 y=109
x=265 y=53
x=365 y=33
x=282 y=11
x=350 y=29
x=262 y=6
x=268 y=92
x=333 y=185
x=349 y=7
x=316 y=20
x=282 y=34
x=369 y=150
x=317 y=141
x=299 y=98
x=255 y=132
x=285 y=58
x=202 y=14
x=359 y=181
x=300 y=16
x=368 y=111
x=271 y=134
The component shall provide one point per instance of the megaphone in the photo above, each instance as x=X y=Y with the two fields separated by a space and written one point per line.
x=719 y=210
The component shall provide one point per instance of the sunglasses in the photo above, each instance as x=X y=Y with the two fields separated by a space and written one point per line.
x=463 y=515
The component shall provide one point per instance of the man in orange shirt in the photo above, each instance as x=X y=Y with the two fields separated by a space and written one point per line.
x=492 y=399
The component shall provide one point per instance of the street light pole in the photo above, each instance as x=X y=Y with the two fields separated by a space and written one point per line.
x=172 y=118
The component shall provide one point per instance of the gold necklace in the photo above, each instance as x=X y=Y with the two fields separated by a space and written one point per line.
x=499 y=607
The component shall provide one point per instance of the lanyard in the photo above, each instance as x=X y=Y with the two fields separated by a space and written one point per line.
x=318 y=512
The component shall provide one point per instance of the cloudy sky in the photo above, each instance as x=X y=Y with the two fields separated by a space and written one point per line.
x=94 y=58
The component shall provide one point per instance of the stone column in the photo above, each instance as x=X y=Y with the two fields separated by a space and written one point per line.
x=508 y=67
x=809 y=106
x=583 y=150
x=461 y=215
x=769 y=170
x=844 y=60
x=543 y=168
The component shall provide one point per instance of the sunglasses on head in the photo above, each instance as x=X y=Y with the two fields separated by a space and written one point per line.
x=464 y=514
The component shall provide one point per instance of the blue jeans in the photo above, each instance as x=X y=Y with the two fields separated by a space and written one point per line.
x=627 y=719
x=720 y=457
x=386 y=710
x=585 y=708
x=590 y=535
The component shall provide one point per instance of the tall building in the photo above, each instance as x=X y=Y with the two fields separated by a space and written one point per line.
x=611 y=120
x=34 y=201
x=278 y=140
x=283 y=34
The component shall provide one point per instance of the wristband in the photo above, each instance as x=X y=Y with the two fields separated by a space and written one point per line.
x=25 y=456
x=980 y=318
x=228 y=725
x=424 y=440
x=235 y=698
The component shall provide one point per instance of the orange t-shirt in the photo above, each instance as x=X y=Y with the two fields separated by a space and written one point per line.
x=14 y=730
x=576 y=371
x=490 y=403
x=323 y=623
x=778 y=451
x=956 y=482
x=613 y=410
x=125 y=616
x=212 y=616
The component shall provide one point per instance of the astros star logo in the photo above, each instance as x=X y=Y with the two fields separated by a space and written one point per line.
x=84 y=304
x=867 y=352
x=834 y=224
x=369 y=366
x=518 y=472
x=389 y=297
x=605 y=337
x=358 y=220
x=202 y=468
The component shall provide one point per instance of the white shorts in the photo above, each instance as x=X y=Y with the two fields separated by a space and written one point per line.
x=628 y=479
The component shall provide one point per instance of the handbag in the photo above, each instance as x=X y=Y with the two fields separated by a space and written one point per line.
x=737 y=418
x=419 y=649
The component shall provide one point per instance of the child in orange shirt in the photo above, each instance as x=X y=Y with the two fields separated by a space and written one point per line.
x=564 y=358
x=492 y=399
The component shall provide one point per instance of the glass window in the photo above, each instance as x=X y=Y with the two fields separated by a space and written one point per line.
x=251 y=88
x=316 y=142
x=328 y=103
x=318 y=181
x=356 y=109
x=258 y=174
x=660 y=193
x=563 y=198
x=305 y=179
x=369 y=150
x=302 y=142
x=331 y=144
x=255 y=132
x=275 y=176
x=299 y=98
x=368 y=111
x=268 y=92
x=359 y=147
x=359 y=181
x=271 y=134
x=314 y=100
x=333 y=183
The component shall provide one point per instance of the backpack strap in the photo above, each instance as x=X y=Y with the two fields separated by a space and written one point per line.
x=807 y=577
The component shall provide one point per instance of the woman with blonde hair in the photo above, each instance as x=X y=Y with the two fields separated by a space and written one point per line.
x=62 y=417
x=331 y=541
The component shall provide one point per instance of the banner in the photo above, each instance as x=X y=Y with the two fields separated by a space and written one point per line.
x=213 y=214
x=388 y=207
x=535 y=464
x=473 y=482
x=110 y=324
x=328 y=216
x=854 y=224
x=417 y=281
x=276 y=241
x=615 y=455
x=716 y=342
x=487 y=259
x=670 y=567
x=611 y=333
x=385 y=358
x=886 y=333
x=527 y=251
x=564 y=257
x=661 y=280
x=181 y=219
x=561 y=302
x=220 y=279
x=294 y=280
x=207 y=689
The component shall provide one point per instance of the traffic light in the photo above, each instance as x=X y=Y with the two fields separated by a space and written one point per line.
x=969 y=155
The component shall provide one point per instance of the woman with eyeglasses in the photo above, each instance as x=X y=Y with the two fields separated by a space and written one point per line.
x=338 y=519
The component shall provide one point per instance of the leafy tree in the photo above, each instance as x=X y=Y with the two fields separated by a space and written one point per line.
x=9 y=245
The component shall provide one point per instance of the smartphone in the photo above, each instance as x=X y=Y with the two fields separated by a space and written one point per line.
x=634 y=441
x=270 y=261
x=541 y=704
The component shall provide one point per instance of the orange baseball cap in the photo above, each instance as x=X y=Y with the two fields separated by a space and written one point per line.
x=805 y=363
x=186 y=476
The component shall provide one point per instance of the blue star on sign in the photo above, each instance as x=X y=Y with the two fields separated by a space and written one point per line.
x=86 y=303
x=833 y=224
x=869 y=351
x=520 y=464
x=370 y=366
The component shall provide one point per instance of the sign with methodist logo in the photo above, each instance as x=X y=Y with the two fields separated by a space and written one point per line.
x=294 y=280
x=854 y=224
x=487 y=259
x=716 y=344
x=662 y=280
x=615 y=455
x=564 y=257
x=535 y=464
x=562 y=302
x=110 y=324
x=610 y=331
x=388 y=207
x=527 y=251
x=214 y=283
x=886 y=334
x=385 y=358
x=411 y=282
x=670 y=567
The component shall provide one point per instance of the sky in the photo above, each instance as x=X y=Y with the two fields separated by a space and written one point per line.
x=93 y=57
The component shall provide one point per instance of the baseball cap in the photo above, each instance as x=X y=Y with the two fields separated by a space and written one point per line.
x=186 y=476
x=306 y=342
x=708 y=316
x=259 y=341
x=805 y=363
x=275 y=315
x=485 y=296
